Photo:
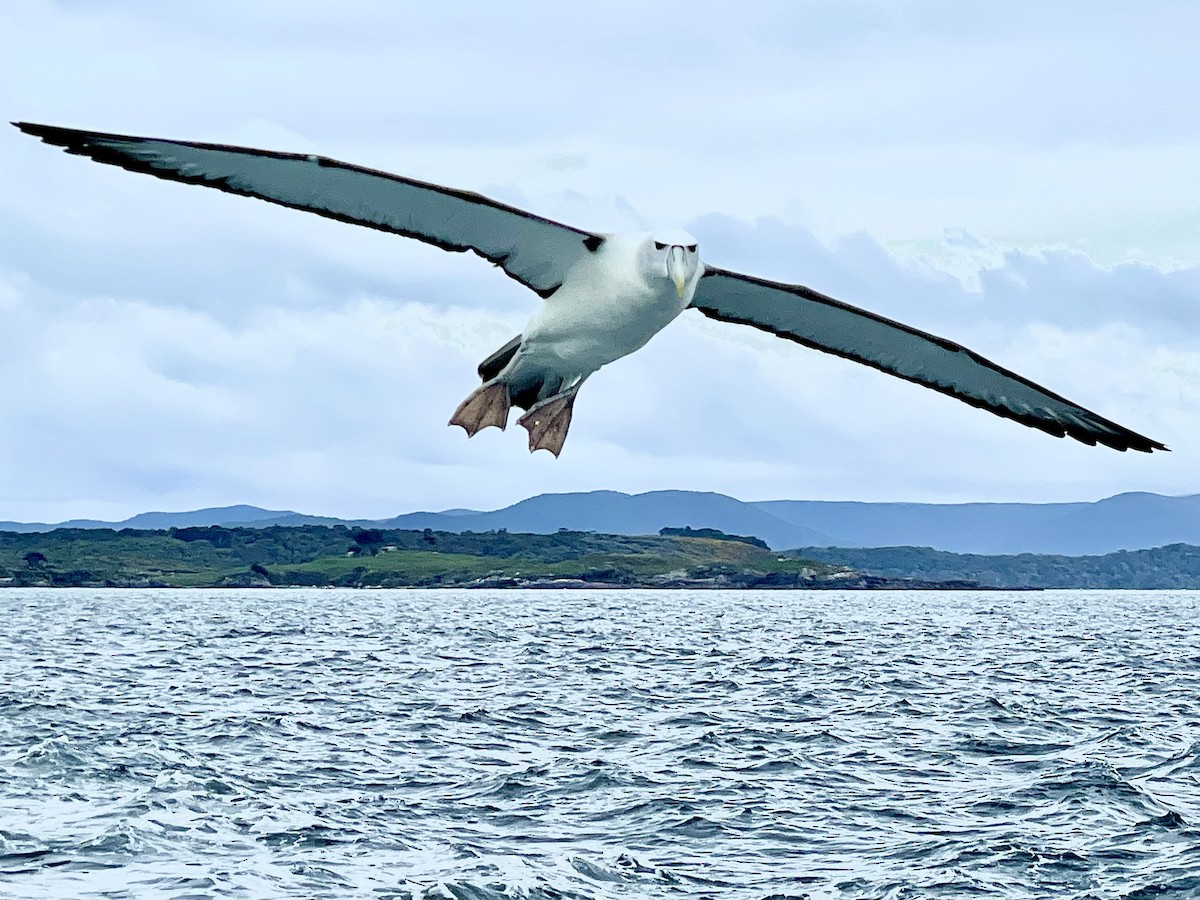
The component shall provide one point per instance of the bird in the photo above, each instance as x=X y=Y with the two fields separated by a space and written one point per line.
x=604 y=295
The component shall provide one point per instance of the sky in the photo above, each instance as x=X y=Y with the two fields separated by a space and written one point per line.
x=1019 y=177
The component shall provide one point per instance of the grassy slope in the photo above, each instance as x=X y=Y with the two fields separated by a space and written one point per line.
x=1175 y=566
x=662 y=557
x=110 y=556
x=318 y=556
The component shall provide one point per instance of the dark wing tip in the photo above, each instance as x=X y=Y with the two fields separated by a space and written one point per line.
x=1151 y=446
x=1091 y=430
x=1110 y=434
x=73 y=140
x=62 y=137
x=1126 y=440
x=1146 y=445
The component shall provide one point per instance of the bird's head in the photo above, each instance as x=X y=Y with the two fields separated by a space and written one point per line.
x=671 y=254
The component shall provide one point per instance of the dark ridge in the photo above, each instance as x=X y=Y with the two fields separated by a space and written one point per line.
x=714 y=534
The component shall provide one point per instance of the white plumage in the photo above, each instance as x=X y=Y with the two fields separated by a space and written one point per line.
x=605 y=309
x=604 y=295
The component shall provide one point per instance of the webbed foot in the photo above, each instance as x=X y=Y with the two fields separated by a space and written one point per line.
x=547 y=422
x=487 y=405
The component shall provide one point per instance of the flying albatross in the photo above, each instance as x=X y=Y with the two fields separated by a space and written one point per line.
x=604 y=295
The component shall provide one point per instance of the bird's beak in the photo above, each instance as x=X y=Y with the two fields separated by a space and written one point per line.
x=677 y=270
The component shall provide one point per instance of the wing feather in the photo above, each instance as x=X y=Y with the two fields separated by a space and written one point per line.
x=535 y=251
x=822 y=323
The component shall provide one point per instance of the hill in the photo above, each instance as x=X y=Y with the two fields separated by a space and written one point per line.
x=1133 y=521
x=312 y=556
x=1174 y=567
x=318 y=555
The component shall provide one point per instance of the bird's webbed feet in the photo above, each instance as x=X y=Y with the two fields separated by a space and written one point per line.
x=487 y=405
x=548 y=420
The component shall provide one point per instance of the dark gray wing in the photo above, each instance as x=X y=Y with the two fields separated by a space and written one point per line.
x=535 y=251
x=822 y=323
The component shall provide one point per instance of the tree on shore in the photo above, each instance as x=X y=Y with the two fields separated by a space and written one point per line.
x=369 y=539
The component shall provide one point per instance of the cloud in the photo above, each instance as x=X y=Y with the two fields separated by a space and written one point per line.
x=341 y=407
x=898 y=119
x=1017 y=179
x=1001 y=286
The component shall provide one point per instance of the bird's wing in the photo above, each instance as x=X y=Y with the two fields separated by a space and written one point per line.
x=535 y=251
x=822 y=323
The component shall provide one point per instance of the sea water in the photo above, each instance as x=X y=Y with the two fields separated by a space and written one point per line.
x=624 y=744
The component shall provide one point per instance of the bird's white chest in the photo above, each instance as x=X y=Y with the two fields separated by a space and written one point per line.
x=604 y=310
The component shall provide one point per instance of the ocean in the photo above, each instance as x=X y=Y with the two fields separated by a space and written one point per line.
x=608 y=744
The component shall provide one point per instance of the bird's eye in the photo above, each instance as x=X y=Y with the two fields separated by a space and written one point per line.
x=659 y=245
x=691 y=248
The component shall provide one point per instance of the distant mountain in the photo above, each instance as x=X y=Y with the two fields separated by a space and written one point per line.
x=610 y=512
x=1133 y=521
x=223 y=515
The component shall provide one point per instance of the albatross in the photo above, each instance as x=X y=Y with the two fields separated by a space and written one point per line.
x=603 y=295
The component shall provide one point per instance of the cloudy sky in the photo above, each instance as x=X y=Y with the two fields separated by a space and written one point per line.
x=1017 y=176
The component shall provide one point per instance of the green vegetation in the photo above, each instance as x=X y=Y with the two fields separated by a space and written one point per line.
x=1176 y=566
x=340 y=556
x=317 y=555
x=688 y=531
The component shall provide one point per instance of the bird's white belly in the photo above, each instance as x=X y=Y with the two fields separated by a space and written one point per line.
x=578 y=332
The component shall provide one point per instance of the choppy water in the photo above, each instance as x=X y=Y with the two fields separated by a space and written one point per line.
x=610 y=744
